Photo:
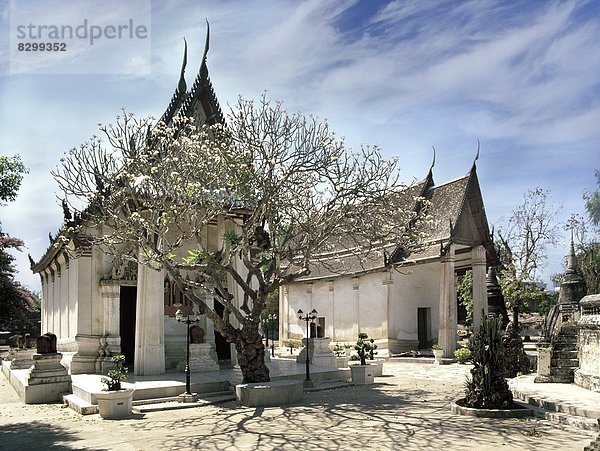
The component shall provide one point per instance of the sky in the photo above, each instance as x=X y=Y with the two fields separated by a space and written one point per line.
x=523 y=78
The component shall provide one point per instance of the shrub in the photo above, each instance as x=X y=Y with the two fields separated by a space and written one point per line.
x=462 y=355
x=487 y=388
x=338 y=350
x=365 y=348
x=516 y=361
x=116 y=375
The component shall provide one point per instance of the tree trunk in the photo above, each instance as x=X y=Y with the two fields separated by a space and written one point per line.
x=251 y=354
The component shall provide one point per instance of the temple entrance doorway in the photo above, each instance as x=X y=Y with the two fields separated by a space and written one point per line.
x=222 y=346
x=423 y=327
x=127 y=309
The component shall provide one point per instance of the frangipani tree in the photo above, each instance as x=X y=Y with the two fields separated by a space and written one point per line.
x=290 y=191
x=522 y=243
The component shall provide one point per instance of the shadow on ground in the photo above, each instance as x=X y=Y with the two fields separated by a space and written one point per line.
x=38 y=435
x=354 y=418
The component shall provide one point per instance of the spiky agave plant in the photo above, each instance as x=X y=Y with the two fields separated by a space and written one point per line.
x=487 y=388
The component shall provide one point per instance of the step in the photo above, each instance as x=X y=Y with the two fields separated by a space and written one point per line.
x=594 y=446
x=142 y=402
x=169 y=404
x=567 y=340
x=556 y=354
x=569 y=330
x=564 y=347
x=551 y=406
x=587 y=424
x=79 y=405
x=565 y=363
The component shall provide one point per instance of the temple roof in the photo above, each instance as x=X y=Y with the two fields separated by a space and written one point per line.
x=456 y=216
x=200 y=100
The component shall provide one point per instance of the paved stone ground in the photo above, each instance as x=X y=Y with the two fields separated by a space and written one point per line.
x=407 y=409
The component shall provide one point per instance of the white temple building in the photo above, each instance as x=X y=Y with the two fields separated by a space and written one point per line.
x=404 y=302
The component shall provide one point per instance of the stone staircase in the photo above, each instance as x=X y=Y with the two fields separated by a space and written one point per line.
x=595 y=445
x=564 y=359
x=173 y=403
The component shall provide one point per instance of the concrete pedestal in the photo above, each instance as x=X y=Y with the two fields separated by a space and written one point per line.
x=21 y=359
x=319 y=352
x=202 y=358
x=269 y=394
x=588 y=373
x=184 y=397
x=543 y=362
x=115 y=404
x=363 y=374
x=47 y=379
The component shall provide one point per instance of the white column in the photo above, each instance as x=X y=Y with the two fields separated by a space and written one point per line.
x=51 y=299
x=355 y=289
x=56 y=300
x=284 y=317
x=111 y=333
x=330 y=325
x=149 y=323
x=479 y=285
x=64 y=298
x=447 y=319
x=45 y=278
x=388 y=281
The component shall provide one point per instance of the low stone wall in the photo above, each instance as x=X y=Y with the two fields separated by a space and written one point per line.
x=588 y=374
x=46 y=381
x=269 y=394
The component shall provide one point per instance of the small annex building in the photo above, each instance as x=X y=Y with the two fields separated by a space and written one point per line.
x=404 y=302
x=99 y=305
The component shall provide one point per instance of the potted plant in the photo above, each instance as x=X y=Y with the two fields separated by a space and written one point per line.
x=114 y=401
x=340 y=356
x=377 y=364
x=438 y=353
x=363 y=373
x=462 y=355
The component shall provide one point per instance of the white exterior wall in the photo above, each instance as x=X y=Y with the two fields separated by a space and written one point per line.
x=383 y=305
x=413 y=288
x=73 y=296
x=45 y=278
x=349 y=305
x=372 y=305
x=63 y=330
x=346 y=310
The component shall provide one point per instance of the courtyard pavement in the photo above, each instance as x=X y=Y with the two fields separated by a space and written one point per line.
x=406 y=409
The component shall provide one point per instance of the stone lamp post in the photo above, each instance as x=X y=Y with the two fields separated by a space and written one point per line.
x=269 y=326
x=310 y=317
x=188 y=396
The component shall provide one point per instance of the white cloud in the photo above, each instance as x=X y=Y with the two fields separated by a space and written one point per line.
x=522 y=77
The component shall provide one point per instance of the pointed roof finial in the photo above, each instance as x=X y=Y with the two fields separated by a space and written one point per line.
x=207 y=41
x=572 y=262
x=181 y=86
x=433 y=162
x=477 y=156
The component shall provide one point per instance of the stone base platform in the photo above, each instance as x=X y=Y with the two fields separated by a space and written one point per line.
x=43 y=383
x=560 y=403
x=269 y=394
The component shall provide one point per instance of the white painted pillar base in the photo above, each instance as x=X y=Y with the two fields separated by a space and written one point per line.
x=479 y=285
x=149 y=323
x=447 y=305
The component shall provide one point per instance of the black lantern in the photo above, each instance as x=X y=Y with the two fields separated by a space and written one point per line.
x=187 y=321
x=309 y=318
